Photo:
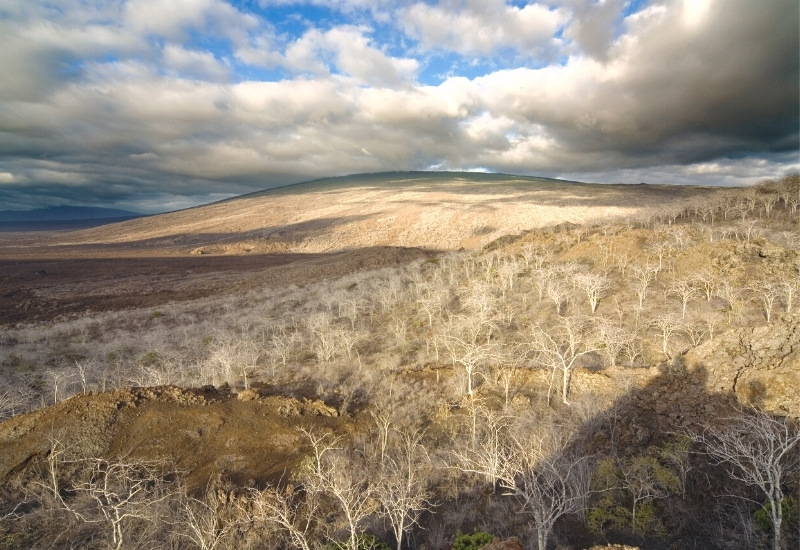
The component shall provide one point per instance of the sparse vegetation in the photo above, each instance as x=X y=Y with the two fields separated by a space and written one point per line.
x=632 y=381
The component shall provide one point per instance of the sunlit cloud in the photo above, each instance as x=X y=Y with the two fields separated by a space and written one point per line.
x=140 y=101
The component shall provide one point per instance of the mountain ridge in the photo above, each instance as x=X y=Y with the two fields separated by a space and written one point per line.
x=435 y=210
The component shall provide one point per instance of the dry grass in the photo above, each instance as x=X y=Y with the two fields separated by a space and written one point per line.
x=405 y=345
x=432 y=210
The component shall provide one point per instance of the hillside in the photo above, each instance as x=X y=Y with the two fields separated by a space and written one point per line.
x=437 y=210
x=474 y=389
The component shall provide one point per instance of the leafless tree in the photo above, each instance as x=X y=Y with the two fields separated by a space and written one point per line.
x=559 y=348
x=81 y=368
x=399 y=329
x=594 y=285
x=548 y=480
x=208 y=521
x=282 y=344
x=676 y=454
x=768 y=202
x=507 y=271
x=383 y=421
x=233 y=356
x=761 y=451
x=679 y=236
x=328 y=342
x=660 y=249
x=794 y=203
x=790 y=288
x=510 y=360
x=478 y=298
x=749 y=229
x=293 y=512
x=389 y=294
x=707 y=281
x=120 y=492
x=667 y=324
x=468 y=342
x=643 y=276
x=338 y=475
x=541 y=280
x=622 y=261
x=11 y=403
x=470 y=355
x=685 y=289
x=768 y=292
x=558 y=291
x=402 y=489
x=711 y=321
x=612 y=338
x=349 y=339
x=431 y=305
x=351 y=307
x=536 y=256
x=59 y=382
x=488 y=451
x=731 y=292
x=632 y=349
x=695 y=332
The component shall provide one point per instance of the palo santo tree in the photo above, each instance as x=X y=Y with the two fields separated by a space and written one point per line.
x=118 y=492
x=762 y=451
x=402 y=487
x=540 y=471
x=559 y=347
x=595 y=285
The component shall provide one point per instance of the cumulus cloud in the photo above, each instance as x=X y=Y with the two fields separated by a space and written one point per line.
x=194 y=63
x=348 y=50
x=172 y=18
x=592 y=24
x=116 y=104
x=484 y=26
x=260 y=50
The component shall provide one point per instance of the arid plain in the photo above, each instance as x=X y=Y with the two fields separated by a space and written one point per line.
x=296 y=235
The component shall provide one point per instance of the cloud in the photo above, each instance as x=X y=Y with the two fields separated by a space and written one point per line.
x=592 y=25
x=194 y=63
x=95 y=109
x=708 y=94
x=348 y=50
x=172 y=18
x=260 y=50
x=481 y=27
x=725 y=172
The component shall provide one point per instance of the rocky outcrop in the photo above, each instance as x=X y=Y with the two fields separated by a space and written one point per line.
x=205 y=432
x=760 y=365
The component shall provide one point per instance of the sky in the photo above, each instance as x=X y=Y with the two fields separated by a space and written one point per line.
x=155 y=105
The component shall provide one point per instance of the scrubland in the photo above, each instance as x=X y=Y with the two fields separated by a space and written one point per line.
x=436 y=210
x=631 y=381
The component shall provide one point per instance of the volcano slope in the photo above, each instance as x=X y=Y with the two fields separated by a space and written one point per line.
x=445 y=368
x=296 y=235
x=435 y=210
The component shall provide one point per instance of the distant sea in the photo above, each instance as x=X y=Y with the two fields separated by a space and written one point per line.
x=57 y=225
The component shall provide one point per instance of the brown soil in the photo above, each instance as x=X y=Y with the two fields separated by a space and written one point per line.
x=48 y=283
x=249 y=439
